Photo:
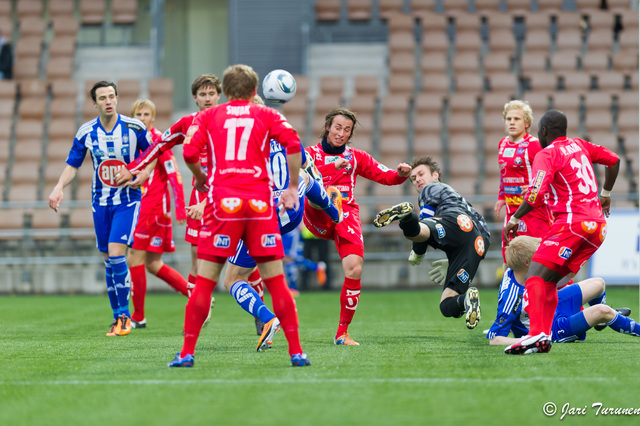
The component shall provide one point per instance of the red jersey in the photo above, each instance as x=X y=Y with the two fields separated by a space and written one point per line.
x=173 y=136
x=515 y=160
x=238 y=134
x=360 y=164
x=156 y=190
x=564 y=171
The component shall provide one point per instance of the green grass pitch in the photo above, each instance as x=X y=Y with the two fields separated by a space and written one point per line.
x=413 y=367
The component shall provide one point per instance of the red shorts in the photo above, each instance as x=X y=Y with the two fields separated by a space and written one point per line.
x=535 y=224
x=347 y=234
x=233 y=219
x=153 y=234
x=565 y=248
x=193 y=226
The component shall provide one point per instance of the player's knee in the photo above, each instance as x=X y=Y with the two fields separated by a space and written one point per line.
x=154 y=266
x=599 y=283
x=604 y=312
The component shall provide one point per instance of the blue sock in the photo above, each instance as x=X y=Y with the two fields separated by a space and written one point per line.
x=625 y=325
x=250 y=301
x=306 y=264
x=122 y=282
x=111 y=289
x=291 y=272
x=318 y=196
x=599 y=299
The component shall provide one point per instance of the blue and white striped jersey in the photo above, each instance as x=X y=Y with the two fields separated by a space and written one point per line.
x=279 y=169
x=511 y=315
x=109 y=151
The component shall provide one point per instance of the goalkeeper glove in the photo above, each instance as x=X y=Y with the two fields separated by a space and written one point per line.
x=438 y=271
x=415 y=259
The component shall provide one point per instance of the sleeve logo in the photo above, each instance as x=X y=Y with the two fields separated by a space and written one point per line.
x=535 y=189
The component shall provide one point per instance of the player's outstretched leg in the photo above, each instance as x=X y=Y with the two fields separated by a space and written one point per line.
x=396 y=212
x=472 y=307
x=269 y=330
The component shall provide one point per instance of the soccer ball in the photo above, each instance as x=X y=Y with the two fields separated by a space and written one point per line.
x=279 y=87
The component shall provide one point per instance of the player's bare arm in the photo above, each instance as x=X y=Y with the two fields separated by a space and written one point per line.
x=610 y=176
x=199 y=175
x=55 y=198
x=141 y=176
x=512 y=225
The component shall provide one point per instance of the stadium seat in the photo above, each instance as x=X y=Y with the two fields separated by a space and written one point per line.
x=402 y=62
x=33 y=89
x=468 y=41
x=81 y=217
x=496 y=20
x=7 y=107
x=32 y=108
x=502 y=40
x=537 y=41
x=61 y=8
x=604 y=138
x=456 y=6
x=629 y=20
x=359 y=10
x=434 y=62
x=29 y=47
x=594 y=61
x=550 y=4
x=628 y=40
x=57 y=152
x=64 y=26
x=564 y=61
x=327 y=10
x=29 y=9
x=504 y=82
x=124 y=12
x=11 y=219
x=588 y=5
x=627 y=100
x=60 y=68
x=428 y=128
x=610 y=81
x=92 y=12
x=431 y=21
x=497 y=62
x=128 y=88
x=62 y=46
x=469 y=82
x=331 y=85
x=536 y=21
x=518 y=6
x=400 y=22
x=401 y=41
x=569 y=40
x=390 y=7
x=302 y=85
x=461 y=122
x=429 y=104
x=542 y=81
x=31 y=26
x=625 y=60
x=436 y=83
x=600 y=40
x=534 y=62
x=493 y=103
x=64 y=88
x=466 y=62
x=5 y=8
x=366 y=85
x=62 y=128
x=65 y=108
x=401 y=83
x=435 y=42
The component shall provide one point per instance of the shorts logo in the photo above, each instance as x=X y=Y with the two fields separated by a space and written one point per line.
x=522 y=227
x=221 y=241
x=192 y=232
x=107 y=171
x=463 y=275
x=537 y=183
x=479 y=245
x=230 y=205
x=441 y=232
x=258 y=205
x=269 y=240
x=603 y=232
x=589 y=227
x=156 y=242
x=565 y=253
x=464 y=222
x=321 y=231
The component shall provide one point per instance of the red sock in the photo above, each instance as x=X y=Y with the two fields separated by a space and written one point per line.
x=138 y=291
x=537 y=297
x=349 y=298
x=195 y=313
x=285 y=309
x=551 y=303
x=191 y=284
x=255 y=281
x=173 y=278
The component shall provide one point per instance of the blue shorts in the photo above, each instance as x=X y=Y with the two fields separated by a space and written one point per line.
x=288 y=221
x=569 y=323
x=115 y=224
